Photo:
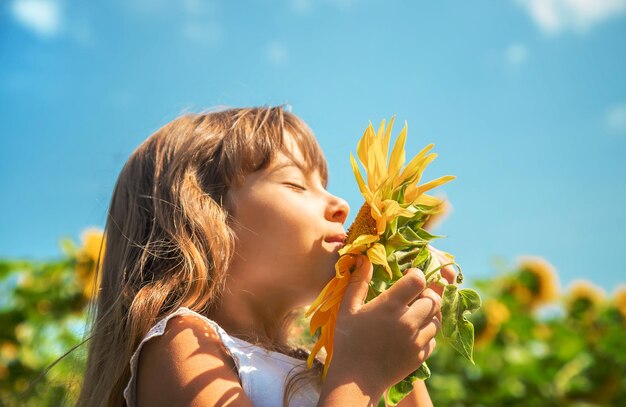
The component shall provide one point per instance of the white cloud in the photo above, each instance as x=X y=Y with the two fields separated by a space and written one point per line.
x=556 y=16
x=516 y=54
x=615 y=118
x=276 y=53
x=41 y=16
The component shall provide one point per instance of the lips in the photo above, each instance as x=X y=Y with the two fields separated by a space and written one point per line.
x=339 y=238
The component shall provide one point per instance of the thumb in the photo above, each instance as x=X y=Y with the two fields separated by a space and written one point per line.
x=358 y=286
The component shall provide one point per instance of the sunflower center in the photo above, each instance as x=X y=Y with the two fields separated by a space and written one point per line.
x=363 y=224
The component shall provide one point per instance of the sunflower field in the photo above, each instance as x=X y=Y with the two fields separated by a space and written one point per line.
x=535 y=345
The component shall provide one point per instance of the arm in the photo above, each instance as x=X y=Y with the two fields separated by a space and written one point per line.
x=419 y=397
x=188 y=366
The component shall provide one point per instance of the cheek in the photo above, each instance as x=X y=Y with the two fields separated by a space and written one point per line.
x=268 y=230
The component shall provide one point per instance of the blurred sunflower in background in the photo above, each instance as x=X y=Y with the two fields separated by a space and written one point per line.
x=494 y=314
x=619 y=299
x=536 y=282
x=88 y=259
x=583 y=300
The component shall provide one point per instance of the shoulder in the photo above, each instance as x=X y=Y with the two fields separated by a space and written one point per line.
x=188 y=365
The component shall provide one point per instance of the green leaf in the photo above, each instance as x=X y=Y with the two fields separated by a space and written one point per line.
x=422 y=257
x=397 y=392
x=455 y=326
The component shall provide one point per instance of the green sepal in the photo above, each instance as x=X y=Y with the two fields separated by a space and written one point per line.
x=405 y=238
x=395 y=268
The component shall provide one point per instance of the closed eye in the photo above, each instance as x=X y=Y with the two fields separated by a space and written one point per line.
x=295 y=186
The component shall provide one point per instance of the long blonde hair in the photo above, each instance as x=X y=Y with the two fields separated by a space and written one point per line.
x=169 y=243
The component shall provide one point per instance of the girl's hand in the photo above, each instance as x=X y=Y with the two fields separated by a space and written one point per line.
x=379 y=343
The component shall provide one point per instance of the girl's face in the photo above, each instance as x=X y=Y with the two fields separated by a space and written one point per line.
x=289 y=230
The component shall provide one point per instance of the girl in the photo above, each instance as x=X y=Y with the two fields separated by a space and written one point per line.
x=220 y=227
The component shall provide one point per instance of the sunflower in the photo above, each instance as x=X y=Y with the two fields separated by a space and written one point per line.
x=496 y=313
x=87 y=258
x=387 y=229
x=537 y=282
x=620 y=301
x=584 y=299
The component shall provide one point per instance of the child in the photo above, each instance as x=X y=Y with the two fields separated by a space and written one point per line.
x=220 y=227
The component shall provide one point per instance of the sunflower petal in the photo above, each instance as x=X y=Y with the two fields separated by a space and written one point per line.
x=359 y=178
x=321 y=297
x=318 y=320
x=434 y=183
x=380 y=164
x=377 y=255
x=314 y=351
x=414 y=169
x=393 y=209
x=344 y=265
x=365 y=239
x=381 y=130
x=387 y=137
x=396 y=161
x=427 y=200
x=362 y=148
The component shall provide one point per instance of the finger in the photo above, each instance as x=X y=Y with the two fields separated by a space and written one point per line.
x=438 y=288
x=426 y=307
x=427 y=350
x=427 y=332
x=407 y=288
x=430 y=347
x=356 y=291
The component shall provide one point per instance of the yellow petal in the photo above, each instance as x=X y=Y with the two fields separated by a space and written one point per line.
x=377 y=255
x=392 y=210
x=359 y=178
x=321 y=297
x=379 y=165
x=426 y=200
x=344 y=265
x=314 y=351
x=381 y=131
x=370 y=168
x=387 y=138
x=434 y=183
x=414 y=169
x=319 y=319
x=335 y=300
x=365 y=239
x=362 y=148
x=396 y=161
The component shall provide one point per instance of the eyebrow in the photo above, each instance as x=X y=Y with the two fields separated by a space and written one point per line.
x=289 y=164
x=292 y=164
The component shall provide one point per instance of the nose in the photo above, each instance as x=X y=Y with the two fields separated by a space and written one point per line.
x=337 y=210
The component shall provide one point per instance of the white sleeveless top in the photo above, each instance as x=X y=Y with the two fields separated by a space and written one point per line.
x=262 y=373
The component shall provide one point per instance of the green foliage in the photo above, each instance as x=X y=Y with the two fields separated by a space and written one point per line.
x=536 y=355
x=42 y=316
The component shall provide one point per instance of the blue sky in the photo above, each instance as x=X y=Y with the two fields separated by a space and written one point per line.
x=524 y=100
